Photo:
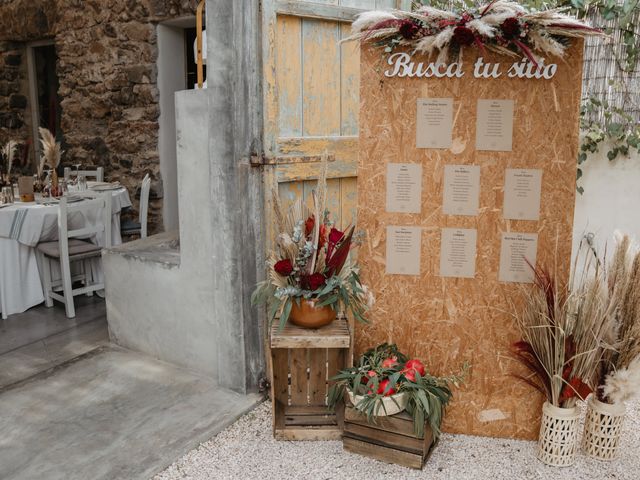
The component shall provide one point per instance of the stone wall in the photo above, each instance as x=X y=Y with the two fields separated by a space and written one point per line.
x=106 y=68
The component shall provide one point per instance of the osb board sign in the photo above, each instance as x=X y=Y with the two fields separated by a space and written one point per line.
x=446 y=321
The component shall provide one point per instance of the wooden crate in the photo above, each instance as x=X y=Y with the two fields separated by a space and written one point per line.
x=390 y=439
x=303 y=360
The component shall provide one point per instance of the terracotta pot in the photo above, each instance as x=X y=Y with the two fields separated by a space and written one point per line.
x=307 y=315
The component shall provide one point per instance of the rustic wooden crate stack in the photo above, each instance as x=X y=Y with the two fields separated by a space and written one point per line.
x=303 y=361
x=390 y=439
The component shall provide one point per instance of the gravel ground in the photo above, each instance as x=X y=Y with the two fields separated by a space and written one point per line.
x=246 y=450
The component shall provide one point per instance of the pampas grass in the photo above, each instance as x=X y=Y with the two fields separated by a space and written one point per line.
x=51 y=151
x=624 y=384
x=9 y=154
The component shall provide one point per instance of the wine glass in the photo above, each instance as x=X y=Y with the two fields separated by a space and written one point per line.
x=77 y=165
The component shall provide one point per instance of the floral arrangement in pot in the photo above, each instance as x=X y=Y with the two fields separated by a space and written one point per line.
x=385 y=382
x=311 y=276
x=7 y=157
x=617 y=378
x=562 y=328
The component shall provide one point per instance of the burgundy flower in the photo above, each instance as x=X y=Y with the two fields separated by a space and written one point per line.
x=463 y=36
x=314 y=281
x=334 y=237
x=284 y=267
x=408 y=29
x=308 y=225
x=510 y=28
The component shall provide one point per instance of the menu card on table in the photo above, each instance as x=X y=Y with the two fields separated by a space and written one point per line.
x=404 y=187
x=494 y=125
x=461 y=192
x=403 y=250
x=517 y=255
x=434 y=123
x=522 y=194
x=458 y=252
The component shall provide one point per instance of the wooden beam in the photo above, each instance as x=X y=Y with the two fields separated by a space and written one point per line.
x=317 y=10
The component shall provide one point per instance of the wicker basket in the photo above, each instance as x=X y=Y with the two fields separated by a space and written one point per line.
x=602 y=429
x=557 y=443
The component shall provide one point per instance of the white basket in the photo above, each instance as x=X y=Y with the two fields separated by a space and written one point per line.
x=558 y=439
x=388 y=406
x=602 y=429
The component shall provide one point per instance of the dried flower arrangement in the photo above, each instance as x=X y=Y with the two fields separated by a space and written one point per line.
x=385 y=373
x=500 y=26
x=618 y=378
x=312 y=262
x=51 y=151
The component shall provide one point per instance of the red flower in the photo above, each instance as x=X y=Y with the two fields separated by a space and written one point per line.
x=308 y=225
x=334 y=237
x=284 y=267
x=510 y=28
x=390 y=362
x=410 y=369
x=463 y=36
x=323 y=236
x=408 y=29
x=382 y=386
x=313 y=282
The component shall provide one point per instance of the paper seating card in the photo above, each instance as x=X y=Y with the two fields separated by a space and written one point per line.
x=458 y=252
x=25 y=186
x=434 y=123
x=494 y=125
x=404 y=187
x=461 y=192
x=403 y=250
x=517 y=253
x=522 y=194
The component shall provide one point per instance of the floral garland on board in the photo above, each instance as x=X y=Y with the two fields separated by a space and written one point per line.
x=500 y=26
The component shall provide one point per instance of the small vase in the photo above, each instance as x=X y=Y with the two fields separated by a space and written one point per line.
x=390 y=405
x=307 y=315
x=602 y=429
x=558 y=439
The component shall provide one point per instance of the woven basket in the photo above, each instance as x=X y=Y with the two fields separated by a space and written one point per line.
x=602 y=429
x=558 y=439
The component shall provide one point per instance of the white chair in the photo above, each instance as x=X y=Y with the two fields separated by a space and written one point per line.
x=139 y=228
x=97 y=174
x=74 y=246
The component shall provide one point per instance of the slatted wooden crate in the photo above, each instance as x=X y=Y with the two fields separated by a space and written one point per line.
x=303 y=361
x=389 y=439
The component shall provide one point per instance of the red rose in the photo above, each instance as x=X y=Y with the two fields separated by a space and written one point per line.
x=313 y=282
x=390 y=362
x=408 y=29
x=463 y=36
x=382 y=386
x=284 y=267
x=510 y=28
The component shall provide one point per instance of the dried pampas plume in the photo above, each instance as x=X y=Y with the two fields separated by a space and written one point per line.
x=623 y=384
x=51 y=152
x=9 y=153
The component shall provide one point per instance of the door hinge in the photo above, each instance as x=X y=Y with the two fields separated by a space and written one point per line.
x=258 y=160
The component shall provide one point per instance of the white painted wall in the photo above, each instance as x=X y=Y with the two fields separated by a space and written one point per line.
x=611 y=199
x=171 y=78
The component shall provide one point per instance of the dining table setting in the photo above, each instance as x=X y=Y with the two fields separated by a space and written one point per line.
x=27 y=220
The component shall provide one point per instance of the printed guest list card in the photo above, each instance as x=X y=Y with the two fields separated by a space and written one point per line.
x=404 y=187
x=458 y=252
x=434 y=123
x=522 y=194
x=494 y=125
x=403 y=250
x=517 y=252
x=461 y=192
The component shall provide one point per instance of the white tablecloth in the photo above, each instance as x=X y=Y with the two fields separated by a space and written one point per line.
x=22 y=227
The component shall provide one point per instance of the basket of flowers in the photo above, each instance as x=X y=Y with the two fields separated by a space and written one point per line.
x=385 y=382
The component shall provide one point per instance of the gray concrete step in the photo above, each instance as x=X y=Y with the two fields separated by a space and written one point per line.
x=110 y=414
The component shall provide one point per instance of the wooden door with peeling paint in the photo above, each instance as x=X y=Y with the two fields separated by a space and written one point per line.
x=311 y=100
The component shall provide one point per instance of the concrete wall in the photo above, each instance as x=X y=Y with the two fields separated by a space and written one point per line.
x=610 y=201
